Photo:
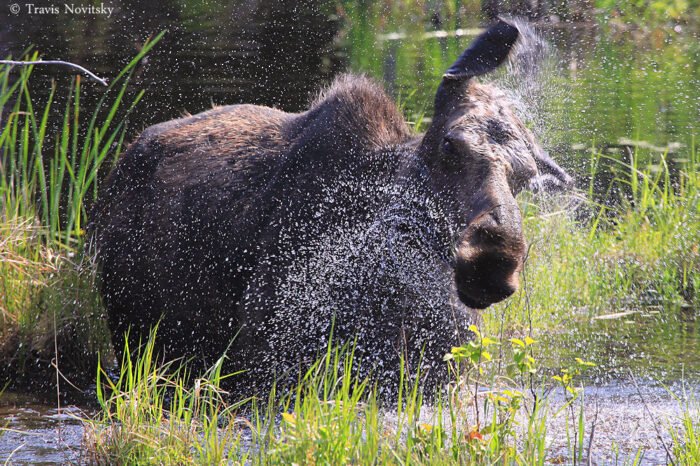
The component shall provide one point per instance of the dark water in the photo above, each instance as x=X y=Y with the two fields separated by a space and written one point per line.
x=606 y=86
x=267 y=53
x=602 y=84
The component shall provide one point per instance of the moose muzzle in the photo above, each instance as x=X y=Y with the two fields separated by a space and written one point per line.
x=489 y=255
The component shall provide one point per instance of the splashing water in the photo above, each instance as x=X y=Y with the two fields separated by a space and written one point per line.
x=532 y=79
x=394 y=247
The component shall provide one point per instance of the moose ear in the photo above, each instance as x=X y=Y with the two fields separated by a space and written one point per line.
x=487 y=52
x=551 y=177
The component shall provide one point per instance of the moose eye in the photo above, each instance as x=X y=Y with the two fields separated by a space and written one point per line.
x=497 y=132
x=448 y=144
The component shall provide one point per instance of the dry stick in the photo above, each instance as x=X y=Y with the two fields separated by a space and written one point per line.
x=55 y=62
x=55 y=364
x=590 y=438
x=646 y=407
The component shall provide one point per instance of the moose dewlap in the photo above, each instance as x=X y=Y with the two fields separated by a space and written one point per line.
x=264 y=230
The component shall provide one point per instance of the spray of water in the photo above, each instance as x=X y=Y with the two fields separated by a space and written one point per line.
x=532 y=79
x=353 y=279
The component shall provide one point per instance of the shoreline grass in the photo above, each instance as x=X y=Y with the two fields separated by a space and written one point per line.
x=686 y=439
x=330 y=417
x=49 y=174
x=642 y=252
x=150 y=414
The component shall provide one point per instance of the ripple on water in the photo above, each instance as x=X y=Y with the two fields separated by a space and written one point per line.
x=33 y=432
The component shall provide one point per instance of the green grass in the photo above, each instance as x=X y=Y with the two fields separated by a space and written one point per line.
x=642 y=12
x=331 y=417
x=642 y=252
x=55 y=185
x=50 y=313
x=149 y=415
x=686 y=438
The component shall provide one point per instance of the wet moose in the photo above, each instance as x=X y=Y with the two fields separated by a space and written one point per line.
x=276 y=228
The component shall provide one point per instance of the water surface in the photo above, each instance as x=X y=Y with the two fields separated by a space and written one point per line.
x=35 y=431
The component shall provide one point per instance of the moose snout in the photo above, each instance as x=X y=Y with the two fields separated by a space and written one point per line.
x=489 y=255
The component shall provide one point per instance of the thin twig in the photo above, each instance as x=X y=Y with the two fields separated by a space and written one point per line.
x=646 y=407
x=590 y=438
x=55 y=62
x=55 y=366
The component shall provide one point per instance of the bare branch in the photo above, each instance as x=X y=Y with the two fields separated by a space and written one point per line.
x=55 y=62
x=589 y=461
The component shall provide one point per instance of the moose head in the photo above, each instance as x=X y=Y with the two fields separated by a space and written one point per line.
x=479 y=156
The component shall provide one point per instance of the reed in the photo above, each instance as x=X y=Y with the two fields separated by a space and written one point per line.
x=150 y=414
x=55 y=185
x=49 y=173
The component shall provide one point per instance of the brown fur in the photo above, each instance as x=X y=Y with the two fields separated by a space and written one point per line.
x=272 y=227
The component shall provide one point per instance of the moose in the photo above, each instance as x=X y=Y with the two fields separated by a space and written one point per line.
x=257 y=233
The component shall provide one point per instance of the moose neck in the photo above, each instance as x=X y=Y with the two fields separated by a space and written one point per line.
x=413 y=179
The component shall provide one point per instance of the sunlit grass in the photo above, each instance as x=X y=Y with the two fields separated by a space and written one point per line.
x=587 y=259
x=49 y=170
x=686 y=438
x=56 y=184
x=48 y=302
x=150 y=414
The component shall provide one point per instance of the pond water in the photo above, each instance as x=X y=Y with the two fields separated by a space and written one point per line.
x=602 y=83
x=37 y=432
x=609 y=87
x=661 y=345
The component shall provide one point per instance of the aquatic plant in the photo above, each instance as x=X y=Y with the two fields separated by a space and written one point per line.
x=49 y=173
x=149 y=413
x=56 y=189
